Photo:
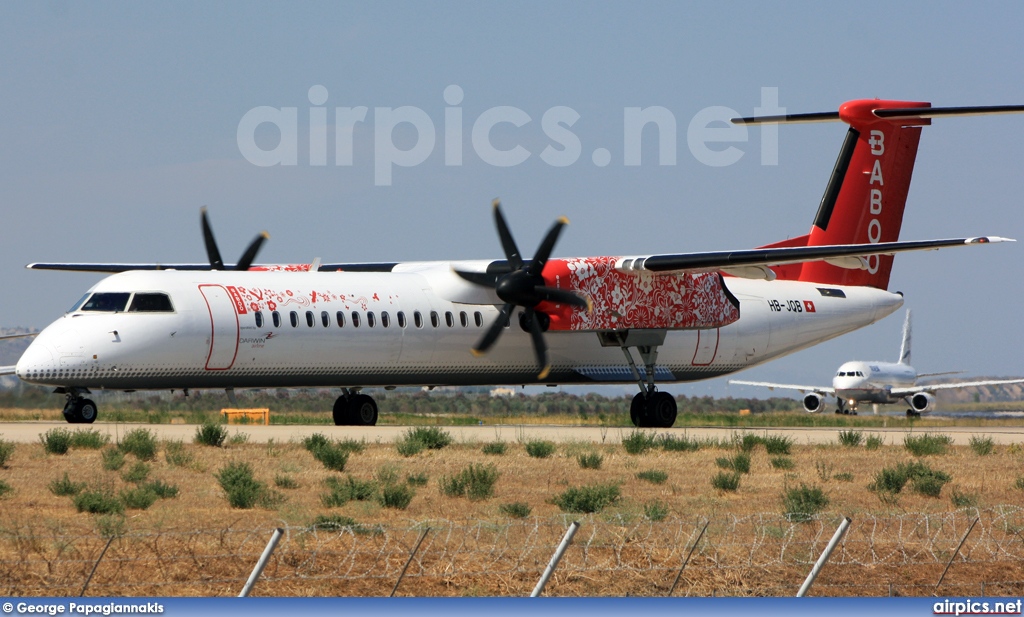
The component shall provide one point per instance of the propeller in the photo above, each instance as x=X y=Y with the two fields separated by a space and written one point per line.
x=523 y=286
x=216 y=263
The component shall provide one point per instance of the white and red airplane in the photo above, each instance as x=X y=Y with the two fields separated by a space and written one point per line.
x=688 y=316
x=878 y=383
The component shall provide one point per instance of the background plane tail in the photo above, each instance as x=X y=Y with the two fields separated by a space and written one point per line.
x=905 y=345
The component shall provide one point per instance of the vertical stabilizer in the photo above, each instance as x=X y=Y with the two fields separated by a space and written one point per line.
x=905 y=346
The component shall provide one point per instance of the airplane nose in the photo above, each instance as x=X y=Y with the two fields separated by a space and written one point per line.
x=36 y=360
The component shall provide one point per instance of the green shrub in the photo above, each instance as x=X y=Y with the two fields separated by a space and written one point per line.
x=540 y=448
x=6 y=451
x=409 y=447
x=927 y=444
x=801 y=504
x=176 y=455
x=844 y=476
x=56 y=440
x=587 y=499
x=873 y=442
x=397 y=496
x=963 y=500
x=475 y=482
x=387 y=474
x=851 y=439
x=137 y=473
x=590 y=460
x=432 y=437
x=361 y=490
x=889 y=480
x=452 y=486
x=725 y=481
x=333 y=522
x=496 y=448
x=113 y=459
x=777 y=444
x=111 y=525
x=824 y=469
x=90 y=439
x=516 y=509
x=654 y=476
x=5 y=488
x=982 y=446
x=671 y=443
x=315 y=441
x=746 y=442
x=161 y=489
x=283 y=481
x=337 y=494
x=639 y=442
x=419 y=479
x=242 y=488
x=138 y=498
x=781 y=462
x=740 y=462
x=351 y=446
x=924 y=480
x=65 y=487
x=331 y=456
x=656 y=511
x=98 y=501
x=141 y=443
x=238 y=439
x=211 y=434
x=1019 y=483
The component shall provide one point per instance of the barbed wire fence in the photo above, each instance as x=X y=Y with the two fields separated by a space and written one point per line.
x=758 y=555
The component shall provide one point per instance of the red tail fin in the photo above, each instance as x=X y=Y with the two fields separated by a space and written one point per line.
x=865 y=197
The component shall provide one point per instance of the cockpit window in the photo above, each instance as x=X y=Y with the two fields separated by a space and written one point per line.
x=109 y=302
x=78 y=304
x=151 y=303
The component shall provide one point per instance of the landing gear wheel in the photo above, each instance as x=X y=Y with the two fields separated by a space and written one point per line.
x=638 y=410
x=71 y=412
x=362 y=410
x=661 y=410
x=341 y=411
x=86 y=411
x=913 y=414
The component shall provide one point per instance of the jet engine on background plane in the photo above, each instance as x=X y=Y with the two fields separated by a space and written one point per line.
x=922 y=402
x=812 y=402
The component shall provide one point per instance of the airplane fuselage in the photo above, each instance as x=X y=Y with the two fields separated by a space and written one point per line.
x=414 y=325
x=872 y=382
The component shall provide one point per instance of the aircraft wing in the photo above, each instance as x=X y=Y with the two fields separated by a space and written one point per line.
x=749 y=263
x=784 y=386
x=22 y=335
x=6 y=370
x=952 y=386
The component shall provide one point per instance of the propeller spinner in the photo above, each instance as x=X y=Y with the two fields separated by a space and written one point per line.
x=523 y=286
x=216 y=263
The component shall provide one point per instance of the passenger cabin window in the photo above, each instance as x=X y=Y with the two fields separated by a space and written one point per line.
x=464 y=319
x=434 y=321
x=295 y=319
x=401 y=319
x=417 y=319
x=277 y=319
x=449 y=318
x=385 y=319
x=107 y=302
x=355 y=319
x=478 y=318
x=370 y=319
x=150 y=303
x=341 y=319
x=325 y=318
x=259 y=319
x=309 y=318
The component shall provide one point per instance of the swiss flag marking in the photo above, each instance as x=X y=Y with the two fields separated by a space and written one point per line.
x=808 y=306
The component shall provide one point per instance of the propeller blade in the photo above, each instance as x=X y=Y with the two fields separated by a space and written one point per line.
x=540 y=348
x=478 y=278
x=511 y=250
x=494 y=331
x=216 y=263
x=540 y=258
x=250 y=253
x=561 y=296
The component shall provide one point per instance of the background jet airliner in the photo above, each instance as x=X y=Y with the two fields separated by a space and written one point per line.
x=877 y=383
x=686 y=316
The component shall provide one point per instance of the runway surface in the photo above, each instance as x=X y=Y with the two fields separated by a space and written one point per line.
x=26 y=432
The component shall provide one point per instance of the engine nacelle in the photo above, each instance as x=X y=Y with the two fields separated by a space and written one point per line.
x=922 y=402
x=812 y=402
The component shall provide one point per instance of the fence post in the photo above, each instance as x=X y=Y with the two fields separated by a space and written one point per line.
x=555 y=559
x=687 y=560
x=262 y=563
x=96 y=565
x=956 y=552
x=401 y=575
x=836 y=537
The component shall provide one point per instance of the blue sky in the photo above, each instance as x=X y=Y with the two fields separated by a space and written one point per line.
x=119 y=120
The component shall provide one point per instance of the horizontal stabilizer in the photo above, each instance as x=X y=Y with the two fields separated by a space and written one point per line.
x=783 y=386
x=953 y=386
x=907 y=113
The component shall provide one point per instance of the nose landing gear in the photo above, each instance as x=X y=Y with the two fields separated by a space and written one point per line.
x=79 y=410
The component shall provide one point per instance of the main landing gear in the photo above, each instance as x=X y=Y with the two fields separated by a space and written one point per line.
x=841 y=409
x=649 y=408
x=78 y=409
x=353 y=409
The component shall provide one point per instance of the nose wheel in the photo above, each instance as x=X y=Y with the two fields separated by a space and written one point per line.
x=79 y=410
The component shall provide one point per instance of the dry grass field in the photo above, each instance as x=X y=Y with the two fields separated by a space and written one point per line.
x=196 y=543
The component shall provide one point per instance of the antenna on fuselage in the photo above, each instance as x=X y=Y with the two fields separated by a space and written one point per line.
x=905 y=346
